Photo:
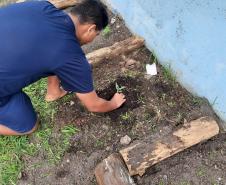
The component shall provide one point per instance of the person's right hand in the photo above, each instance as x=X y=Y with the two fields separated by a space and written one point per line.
x=117 y=100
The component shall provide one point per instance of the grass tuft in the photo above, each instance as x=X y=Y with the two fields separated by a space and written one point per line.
x=12 y=149
x=168 y=74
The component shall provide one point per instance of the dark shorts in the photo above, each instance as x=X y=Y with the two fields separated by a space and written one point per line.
x=17 y=113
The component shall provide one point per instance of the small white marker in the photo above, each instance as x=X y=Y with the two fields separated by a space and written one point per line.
x=151 y=69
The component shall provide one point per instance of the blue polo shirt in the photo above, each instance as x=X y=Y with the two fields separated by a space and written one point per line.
x=38 y=40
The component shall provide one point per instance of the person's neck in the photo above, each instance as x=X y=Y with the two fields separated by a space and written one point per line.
x=75 y=22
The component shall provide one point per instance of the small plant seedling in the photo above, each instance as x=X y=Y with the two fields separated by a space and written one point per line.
x=125 y=116
x=99 y=143
x=106 y=31
x=200 y=172
x=119 y=89
x=141 y=99
x=161 y=182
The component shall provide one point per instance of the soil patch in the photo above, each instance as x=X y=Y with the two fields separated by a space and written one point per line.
x=131 y=88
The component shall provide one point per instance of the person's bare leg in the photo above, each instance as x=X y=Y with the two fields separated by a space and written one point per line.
x=54 y=91
x=9 y=132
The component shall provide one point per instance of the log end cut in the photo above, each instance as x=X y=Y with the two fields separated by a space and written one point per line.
x=112 y=171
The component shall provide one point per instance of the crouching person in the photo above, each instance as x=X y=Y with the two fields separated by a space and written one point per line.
x=38 y=40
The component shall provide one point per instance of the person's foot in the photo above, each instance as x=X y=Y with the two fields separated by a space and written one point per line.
x=55 y=96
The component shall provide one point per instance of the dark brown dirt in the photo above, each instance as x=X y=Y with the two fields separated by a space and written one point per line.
x=132 y=90
x=155 y=106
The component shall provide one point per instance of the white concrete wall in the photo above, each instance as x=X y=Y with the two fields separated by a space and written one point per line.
x=190 y=35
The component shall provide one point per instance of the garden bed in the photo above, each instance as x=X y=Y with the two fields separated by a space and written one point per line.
x=155 y=106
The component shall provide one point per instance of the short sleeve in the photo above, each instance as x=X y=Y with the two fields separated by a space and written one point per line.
x=76 y=75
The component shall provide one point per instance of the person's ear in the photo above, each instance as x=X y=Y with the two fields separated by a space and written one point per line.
x=92 y=28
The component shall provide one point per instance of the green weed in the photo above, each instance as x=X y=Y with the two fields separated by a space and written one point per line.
x=200 y=172
x=141 y=99
x=126 y=116
x=197 y=100
x=99 y=143
x=106 y=31
x=153 y=58
x=168 y=75
x=161 y=182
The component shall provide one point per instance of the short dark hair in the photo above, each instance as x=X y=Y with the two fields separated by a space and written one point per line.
x=91 y=11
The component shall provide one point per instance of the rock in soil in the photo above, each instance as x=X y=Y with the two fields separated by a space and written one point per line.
x=125 y=140
x=130 y=62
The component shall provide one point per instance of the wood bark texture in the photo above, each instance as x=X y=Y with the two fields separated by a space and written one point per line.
x=141 y=156
x=117 y=49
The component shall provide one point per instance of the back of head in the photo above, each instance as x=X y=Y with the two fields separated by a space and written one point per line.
x=91 y=11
